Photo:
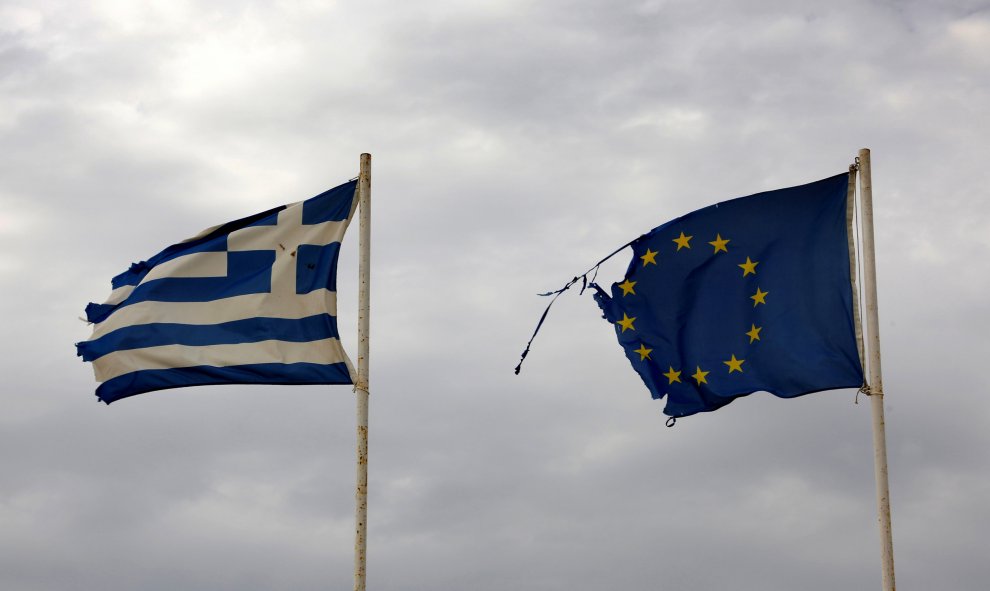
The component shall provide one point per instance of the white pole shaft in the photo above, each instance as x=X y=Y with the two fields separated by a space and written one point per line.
x=876 y=379
x=361 y=386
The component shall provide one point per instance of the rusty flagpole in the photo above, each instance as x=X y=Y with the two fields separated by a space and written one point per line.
x=875 y=383
x=361 y=385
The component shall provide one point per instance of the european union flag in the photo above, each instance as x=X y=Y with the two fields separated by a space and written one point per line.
x=752 y=294
x=253 y=301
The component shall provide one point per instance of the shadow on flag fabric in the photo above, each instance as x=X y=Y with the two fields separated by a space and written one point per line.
x=252 y=301
x=752 y=294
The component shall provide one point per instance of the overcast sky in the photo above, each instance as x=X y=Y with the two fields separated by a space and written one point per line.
x=514 y=144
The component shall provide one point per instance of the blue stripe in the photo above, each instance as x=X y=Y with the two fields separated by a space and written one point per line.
x=96 y=313
x=249 y=330
x=260 y=373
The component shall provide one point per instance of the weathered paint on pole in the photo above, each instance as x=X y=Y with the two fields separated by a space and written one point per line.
x=361 y=386
x=876 y=379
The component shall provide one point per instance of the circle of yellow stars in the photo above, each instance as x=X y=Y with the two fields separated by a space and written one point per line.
x=732 y=364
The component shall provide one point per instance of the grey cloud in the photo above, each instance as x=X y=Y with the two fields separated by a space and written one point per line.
x=514 y=146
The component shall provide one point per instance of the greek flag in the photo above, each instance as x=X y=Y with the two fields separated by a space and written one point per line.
x=252 y=301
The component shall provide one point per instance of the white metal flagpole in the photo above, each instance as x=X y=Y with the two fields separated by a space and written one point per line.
x=876 y=379
x=361 y=386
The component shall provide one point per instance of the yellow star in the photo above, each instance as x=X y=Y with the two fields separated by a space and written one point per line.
x=627 y=287
x=699 y=376
x=644 y=353
x=749 y=267
x=683 y=241
x=626 y=322
x=734 y=364
x=672 y=376
x=754 y=332
x=719 y=244
x=760 y=297
x=649 y=257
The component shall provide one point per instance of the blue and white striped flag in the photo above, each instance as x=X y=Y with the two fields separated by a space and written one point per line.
x=249 y=302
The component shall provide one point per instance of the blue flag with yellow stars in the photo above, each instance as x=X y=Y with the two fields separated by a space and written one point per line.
x=752 y=294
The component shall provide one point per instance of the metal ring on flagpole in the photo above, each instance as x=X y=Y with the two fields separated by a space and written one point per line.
x=671 y=422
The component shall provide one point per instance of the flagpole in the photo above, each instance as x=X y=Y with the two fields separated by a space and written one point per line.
x=361 y=385
x=876 y=380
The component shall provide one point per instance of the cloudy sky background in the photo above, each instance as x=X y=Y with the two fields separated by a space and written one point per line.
x=514 y=144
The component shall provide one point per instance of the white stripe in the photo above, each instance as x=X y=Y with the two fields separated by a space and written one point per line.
x=240 y=307
x=119 y=363
x=120 y=294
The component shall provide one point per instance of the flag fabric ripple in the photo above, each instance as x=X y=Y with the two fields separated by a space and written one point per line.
x=252 y=301
x=751 y=294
